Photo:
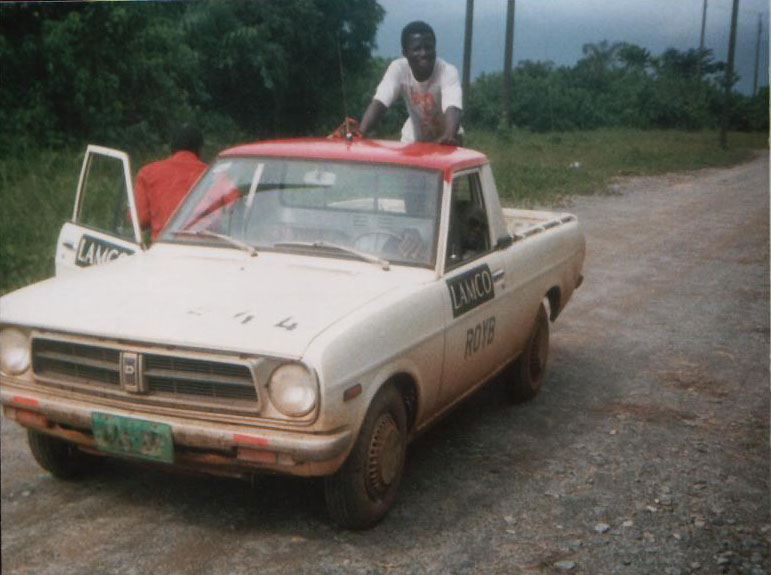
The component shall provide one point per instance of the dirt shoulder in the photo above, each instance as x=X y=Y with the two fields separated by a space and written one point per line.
x=646 y=452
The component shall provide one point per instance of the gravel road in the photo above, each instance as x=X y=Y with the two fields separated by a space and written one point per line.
x=646 y=452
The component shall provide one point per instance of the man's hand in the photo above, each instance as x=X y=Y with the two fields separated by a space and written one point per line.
x=349 y=126
x=450 y=136
x=371 y=117
x=450 y=140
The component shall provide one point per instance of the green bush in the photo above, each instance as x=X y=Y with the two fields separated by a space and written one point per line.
x=617 y=85
x=124 y=75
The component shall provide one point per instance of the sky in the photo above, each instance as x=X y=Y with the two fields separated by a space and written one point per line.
x=557 y=29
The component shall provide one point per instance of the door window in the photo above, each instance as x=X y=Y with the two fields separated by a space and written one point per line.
x=103 y=201
x=469 y=235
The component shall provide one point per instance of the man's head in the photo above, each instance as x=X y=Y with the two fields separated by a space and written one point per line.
x=187 y=137
x=419 y=47
x=474 y=232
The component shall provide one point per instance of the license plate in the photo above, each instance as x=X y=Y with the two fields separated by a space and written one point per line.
x=133 y=437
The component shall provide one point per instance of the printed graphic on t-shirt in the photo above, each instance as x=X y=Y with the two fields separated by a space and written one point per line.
x=426 y=110
x=423 y=101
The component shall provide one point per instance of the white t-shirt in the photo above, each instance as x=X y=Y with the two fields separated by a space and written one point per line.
x=426 y=101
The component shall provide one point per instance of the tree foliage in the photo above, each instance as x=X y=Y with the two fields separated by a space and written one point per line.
x=126 y=74
x=273 y=66
x=616 y=85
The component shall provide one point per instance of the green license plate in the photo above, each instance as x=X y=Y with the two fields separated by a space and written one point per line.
x=133 y=437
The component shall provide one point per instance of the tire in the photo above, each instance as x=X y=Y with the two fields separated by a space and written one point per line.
x=528 y=371
x=60 y=458
x=363 y=490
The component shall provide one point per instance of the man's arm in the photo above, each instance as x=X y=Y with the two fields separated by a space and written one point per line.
x=387 y=91
x=451 y=125
x=372 y=116
x=452 y=104
x=142 y=201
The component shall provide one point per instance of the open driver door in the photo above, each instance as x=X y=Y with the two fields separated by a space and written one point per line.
x=104 y=224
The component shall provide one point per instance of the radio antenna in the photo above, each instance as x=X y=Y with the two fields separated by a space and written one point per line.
x=348 y=135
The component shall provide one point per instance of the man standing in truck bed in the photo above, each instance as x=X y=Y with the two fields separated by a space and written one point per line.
x=160 y=186
x=430 y=87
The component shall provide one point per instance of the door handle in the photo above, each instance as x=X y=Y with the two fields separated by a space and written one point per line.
x=498 y=275
x=69 y=245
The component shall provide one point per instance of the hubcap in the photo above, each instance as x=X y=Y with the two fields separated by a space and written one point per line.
x=384 y=456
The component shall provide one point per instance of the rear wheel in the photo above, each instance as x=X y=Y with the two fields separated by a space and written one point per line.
x=528 y=371
x=363 y=490
x=60 y=458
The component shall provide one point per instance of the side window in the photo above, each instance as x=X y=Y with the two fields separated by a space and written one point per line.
x=468 y=236
x=103 y=203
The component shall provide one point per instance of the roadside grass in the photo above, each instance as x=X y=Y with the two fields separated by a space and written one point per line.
x=38 y=190
x=37 y=195
x=547 y=168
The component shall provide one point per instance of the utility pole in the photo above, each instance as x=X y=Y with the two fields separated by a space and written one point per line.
x=757 y=55
x=701 y=39
x=508 y=63
x=467 y=49
x=729 y=75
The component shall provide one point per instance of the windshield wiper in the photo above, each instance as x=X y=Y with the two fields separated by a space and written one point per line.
x=330 y=245
x=230 y=240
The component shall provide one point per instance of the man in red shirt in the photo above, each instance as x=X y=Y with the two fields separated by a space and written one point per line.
x=160 y=186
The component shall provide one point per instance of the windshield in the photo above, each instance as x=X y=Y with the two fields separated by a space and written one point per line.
x=323 y=207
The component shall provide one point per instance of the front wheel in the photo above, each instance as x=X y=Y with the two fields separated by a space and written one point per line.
x=364 y=488
x=60 y=458
x=528 y=371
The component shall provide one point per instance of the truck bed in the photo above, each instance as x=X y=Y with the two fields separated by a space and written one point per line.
x=524 y=223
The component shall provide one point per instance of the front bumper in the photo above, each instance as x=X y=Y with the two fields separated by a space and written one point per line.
x=199 y=444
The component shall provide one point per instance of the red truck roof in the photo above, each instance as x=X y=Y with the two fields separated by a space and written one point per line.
x=417 y=154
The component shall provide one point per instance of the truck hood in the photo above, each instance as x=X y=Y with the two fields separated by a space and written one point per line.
x=274 y=304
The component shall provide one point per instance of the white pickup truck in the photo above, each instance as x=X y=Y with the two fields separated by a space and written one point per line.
x=310 y=307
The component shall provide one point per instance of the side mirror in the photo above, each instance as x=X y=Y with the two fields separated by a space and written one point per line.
x=504 y=242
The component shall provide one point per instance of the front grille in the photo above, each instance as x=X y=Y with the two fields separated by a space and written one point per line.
x=98 y=367
x=184 y=376
x=76 y=362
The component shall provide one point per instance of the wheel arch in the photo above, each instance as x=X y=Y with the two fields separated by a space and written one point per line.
x=407 y=387
x=554 y=296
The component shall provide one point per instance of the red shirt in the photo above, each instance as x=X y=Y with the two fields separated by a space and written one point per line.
x=160 y=186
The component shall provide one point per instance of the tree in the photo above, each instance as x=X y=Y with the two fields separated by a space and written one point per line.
x=125 y=74
x=112 y=73
x=600 y=57
x=634 y=58
x=615 y=85
x=273 y=66
x=692 y=63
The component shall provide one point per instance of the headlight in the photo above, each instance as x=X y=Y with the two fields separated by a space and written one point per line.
x=14 y=351
x=293 y=390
